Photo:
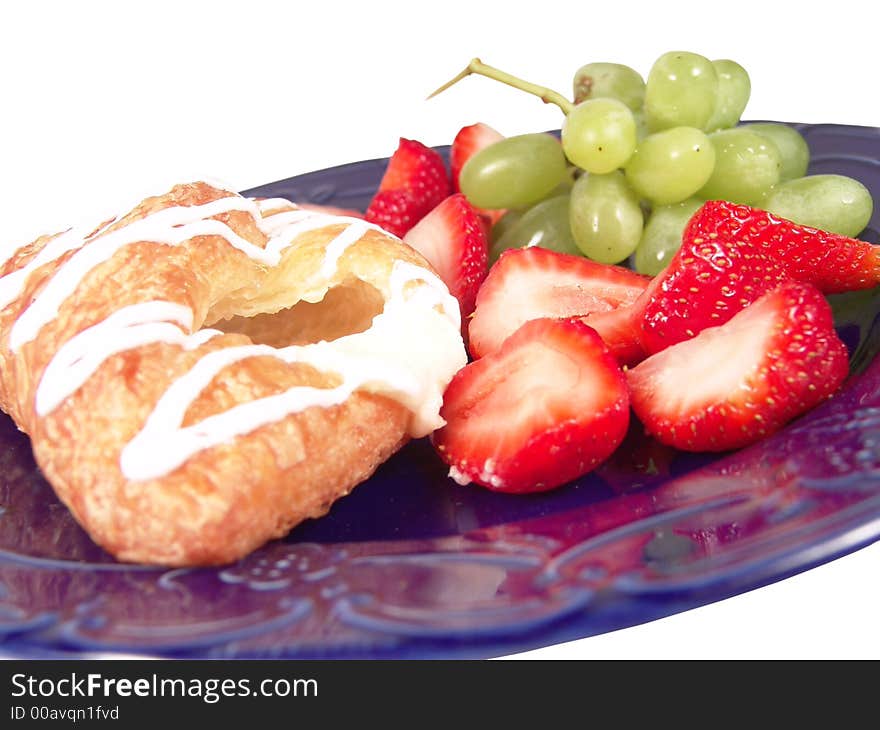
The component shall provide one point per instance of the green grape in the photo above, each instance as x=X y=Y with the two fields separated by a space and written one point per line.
x=545 y=225
x=734 y=89
x=680 y=91
x=747 y=166
x=606 y=218
x=791 y=145
x=610 y=80
x=505 y=223
x=599 y=135
x=671 y=165
x=514 y=172
x=642 y=130
x=565 y=186
x=830 y=202
x=662 y=235
x=513 y=215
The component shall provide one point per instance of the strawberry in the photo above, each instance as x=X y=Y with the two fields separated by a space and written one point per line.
x=528 y=283
x=830 y=262
x=466 y=144
x=490 y=217
x=620 y=329
x=731 y=385
x=709 y=280
x=419 y=169
x=414 y=182
x=396 y=211
x=731 y=255
x=547 y=407
x=453 y=240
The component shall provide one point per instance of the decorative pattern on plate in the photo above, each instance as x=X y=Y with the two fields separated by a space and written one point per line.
x=413 y=565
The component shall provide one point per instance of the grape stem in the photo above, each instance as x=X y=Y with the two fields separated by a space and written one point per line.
x=476 y=66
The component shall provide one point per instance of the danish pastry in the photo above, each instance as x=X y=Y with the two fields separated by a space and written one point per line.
x=201 y=374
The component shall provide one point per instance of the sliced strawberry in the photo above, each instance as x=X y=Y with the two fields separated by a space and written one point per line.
x=397 y=211
x=419 y=169
x=731 y=255
x=547 y=407
x=453 y=240
x=709 y=280
x=620 y=329
x=529 y=283
x=830 y=262
x=414 y=182
x=731 y=385
x=467 y=143
x=490 y=217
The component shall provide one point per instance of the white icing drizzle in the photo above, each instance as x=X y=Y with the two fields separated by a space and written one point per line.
x=12 y=284
x=72 y=238
x=277 y=222
x=164 y=444
x=282 y=233
x=404 y=272
x=267 y=205
x=59 y=244
x=133 y=326
x=170 y=226
x=410 y=352
x=334 y=250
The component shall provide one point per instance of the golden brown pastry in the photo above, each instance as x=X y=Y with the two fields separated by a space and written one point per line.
x=206 y=371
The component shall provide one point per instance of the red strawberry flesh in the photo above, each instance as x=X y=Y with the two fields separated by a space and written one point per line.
x=549 y=406
x=830 y=262
x=529 y=283
x=417 y=168
x=711 y=278
x=396 y=211
x=453 y=240
x=734 y=384
x=731 y=255
x=621 y=331
x=415 y=181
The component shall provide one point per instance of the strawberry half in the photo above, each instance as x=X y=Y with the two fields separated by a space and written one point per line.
x=621 y=330
x=467 y=143
x=732 y=385
x=712 y=277
x=731 y=255
x=528 y=283
x=830 y=262
x=547 y=407
x=453 y=240
x=414 y=182
x=396 y=211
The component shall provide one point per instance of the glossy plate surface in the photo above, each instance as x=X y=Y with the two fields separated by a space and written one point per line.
x=413 y=565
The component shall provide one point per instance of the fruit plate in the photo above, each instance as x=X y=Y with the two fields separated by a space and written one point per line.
x=411 y=565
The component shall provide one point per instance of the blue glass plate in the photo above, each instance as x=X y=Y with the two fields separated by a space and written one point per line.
x=413 y=565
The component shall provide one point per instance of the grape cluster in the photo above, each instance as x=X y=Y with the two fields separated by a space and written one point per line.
x=639 y=157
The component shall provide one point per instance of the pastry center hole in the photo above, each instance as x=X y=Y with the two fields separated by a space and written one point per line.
x=346 y=309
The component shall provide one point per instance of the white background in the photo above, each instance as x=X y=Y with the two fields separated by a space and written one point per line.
x=104 y=101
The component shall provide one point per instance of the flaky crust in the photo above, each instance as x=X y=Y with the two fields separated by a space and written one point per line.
x=228 y=499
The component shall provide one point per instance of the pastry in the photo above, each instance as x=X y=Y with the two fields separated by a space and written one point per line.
x=203 y=373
